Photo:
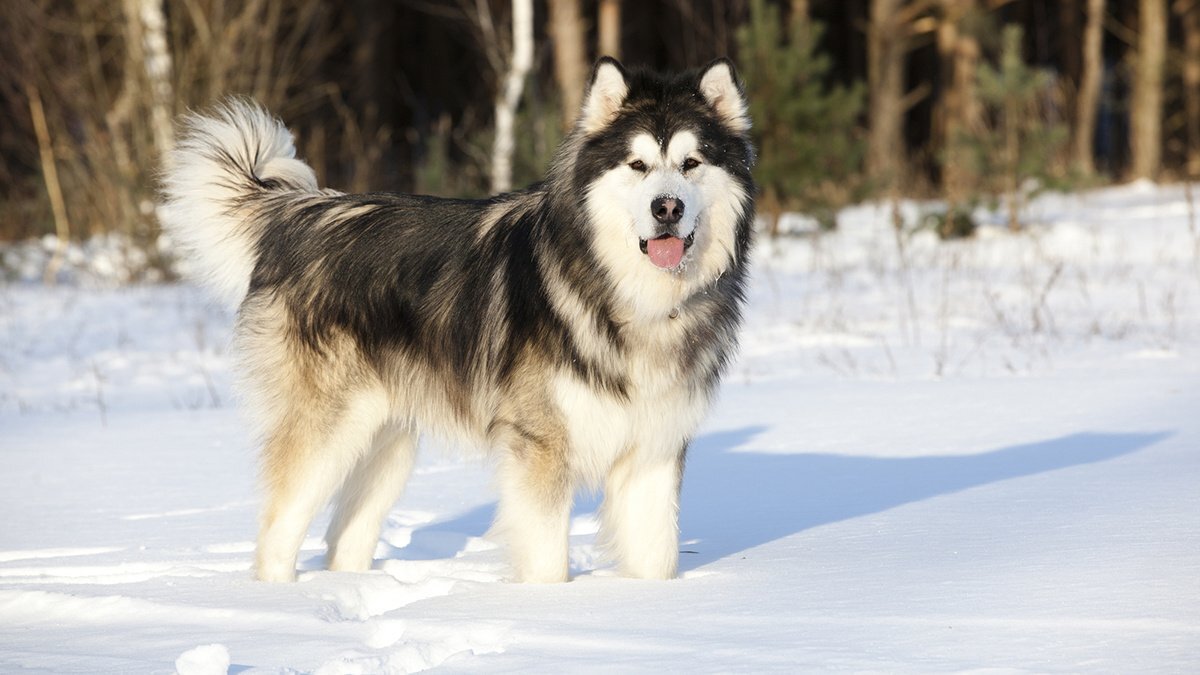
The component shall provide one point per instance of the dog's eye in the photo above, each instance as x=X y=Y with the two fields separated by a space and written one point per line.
x=690 y=163
x=638 y=165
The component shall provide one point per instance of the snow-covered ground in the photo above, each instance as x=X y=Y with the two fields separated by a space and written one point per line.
x=931 y=457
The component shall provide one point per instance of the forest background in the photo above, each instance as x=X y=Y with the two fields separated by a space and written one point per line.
x=969 y=102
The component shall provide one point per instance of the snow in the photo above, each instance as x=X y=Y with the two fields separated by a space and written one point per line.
x=203 y=660
x=931 y=457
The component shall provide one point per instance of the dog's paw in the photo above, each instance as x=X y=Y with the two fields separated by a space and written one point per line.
x=275 y=573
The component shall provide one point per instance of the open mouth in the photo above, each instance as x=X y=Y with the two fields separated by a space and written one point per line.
x=666 y=251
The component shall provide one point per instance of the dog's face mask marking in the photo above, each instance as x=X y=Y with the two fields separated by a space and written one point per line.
x=661 y=191
x=662 y=178
x=661 y=198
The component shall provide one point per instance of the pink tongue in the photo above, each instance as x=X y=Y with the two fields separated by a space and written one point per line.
x=665 y=252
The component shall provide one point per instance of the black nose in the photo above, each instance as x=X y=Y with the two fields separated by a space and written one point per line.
x=667 y=210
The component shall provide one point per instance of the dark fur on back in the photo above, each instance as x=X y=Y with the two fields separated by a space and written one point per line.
x=411 y=273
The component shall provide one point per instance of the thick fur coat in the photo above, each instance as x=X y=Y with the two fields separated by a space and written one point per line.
x=576 y=329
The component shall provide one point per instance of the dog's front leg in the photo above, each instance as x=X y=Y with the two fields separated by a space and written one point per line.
x=535 y=508
x=640 y=515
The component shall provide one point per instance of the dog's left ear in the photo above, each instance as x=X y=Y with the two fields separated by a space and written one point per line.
x=720 y=87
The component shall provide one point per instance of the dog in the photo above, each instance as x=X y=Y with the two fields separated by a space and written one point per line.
x=577 y=329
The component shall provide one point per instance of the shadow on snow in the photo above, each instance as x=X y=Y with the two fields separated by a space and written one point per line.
x=735 y=499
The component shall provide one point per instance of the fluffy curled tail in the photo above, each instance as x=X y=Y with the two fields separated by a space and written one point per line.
x=226 y=166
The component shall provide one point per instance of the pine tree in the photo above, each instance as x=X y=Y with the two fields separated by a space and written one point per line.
x=1020 y=142
x=806 y=131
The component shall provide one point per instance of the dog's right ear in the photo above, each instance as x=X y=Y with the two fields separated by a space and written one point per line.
x=606 y=92
x=720 y=87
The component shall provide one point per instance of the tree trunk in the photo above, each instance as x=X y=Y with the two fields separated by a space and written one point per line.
x=570 y=56
x=146 y=40
x=609 y=28
x=58 y=206
x=885 y=78
x=1146 y=97
x=1189 y=12
x=510 y=94
x=959 y=114
x=1088 y=98
x=1072 y=14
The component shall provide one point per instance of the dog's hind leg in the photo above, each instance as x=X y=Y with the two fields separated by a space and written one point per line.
x=369 y=492
x=640 y=514
x=305 y=460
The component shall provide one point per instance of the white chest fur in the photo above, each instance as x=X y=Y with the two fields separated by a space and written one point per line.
x=653 y=421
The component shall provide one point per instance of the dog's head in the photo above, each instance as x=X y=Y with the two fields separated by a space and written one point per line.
x=664 y=163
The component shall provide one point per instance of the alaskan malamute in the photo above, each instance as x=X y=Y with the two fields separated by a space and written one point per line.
x=577 y=328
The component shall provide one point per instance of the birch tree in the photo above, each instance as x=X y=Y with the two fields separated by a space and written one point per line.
x=509 y=96
x=148 y=25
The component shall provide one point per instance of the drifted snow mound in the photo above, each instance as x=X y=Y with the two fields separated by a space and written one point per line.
x=203 y=660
